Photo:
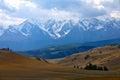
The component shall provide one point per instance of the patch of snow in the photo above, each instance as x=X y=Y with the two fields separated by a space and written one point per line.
x=99 y=27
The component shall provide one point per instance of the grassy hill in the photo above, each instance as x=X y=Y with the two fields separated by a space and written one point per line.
x=14 y=66
x=11 y=60
x=108 y=55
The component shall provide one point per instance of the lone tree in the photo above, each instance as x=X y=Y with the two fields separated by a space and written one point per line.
x=105 y=68
x=90 y=66
x=100 y=68
x=86 y=57
x=74 y=66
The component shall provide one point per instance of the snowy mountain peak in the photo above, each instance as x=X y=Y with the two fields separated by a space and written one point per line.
x=57 y=29
x=61 y=28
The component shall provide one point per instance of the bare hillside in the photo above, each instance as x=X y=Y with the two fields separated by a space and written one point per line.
x=17 y=67
x=11 y=60
x=108 y=55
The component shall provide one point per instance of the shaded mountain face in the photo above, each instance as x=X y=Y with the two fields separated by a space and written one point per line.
x=31 y=34
x=61 y=51
x=56 y=51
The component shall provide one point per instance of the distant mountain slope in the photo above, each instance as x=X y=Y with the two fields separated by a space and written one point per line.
x=61 y=51
x=108 y=55
x=103 y=42
x=33 y=35
x=56 y=51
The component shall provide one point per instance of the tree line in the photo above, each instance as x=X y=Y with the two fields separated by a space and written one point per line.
x=91 y=66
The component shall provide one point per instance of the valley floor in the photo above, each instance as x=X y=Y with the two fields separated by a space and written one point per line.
x=17 y=67
x=57 y=75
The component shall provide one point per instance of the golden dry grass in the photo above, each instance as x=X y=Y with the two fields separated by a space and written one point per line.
x=16 y=67
x=104 y=56
x=106 y=78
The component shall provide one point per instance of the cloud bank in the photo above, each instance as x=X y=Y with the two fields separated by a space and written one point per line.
x=16 y=11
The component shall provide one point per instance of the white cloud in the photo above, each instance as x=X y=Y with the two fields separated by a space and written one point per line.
x=13 y=3
x=61 y=14
x=18 y=3
x=6 y=20
x=30 y=4
x=98 y=2
x=15 y=11
x=28 y=9
x=115 y=14
x=95 y=3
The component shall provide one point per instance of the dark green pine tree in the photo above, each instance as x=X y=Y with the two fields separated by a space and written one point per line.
x=105 y=68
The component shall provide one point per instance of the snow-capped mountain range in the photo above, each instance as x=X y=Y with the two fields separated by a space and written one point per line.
x=59 y=32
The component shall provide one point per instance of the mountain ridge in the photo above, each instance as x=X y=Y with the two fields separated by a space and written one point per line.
x=54 y=26
x=39 y=35
x=60 y=51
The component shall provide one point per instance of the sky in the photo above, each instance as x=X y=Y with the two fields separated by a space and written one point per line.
x=13 y=12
